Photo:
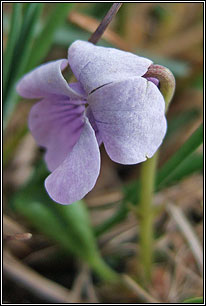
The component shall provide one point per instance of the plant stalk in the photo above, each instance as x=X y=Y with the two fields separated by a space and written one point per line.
x=147 y=179
x=145 y=210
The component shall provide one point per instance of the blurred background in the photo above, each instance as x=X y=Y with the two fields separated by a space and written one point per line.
x=56 y=264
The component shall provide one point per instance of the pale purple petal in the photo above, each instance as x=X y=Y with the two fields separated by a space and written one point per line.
x=46 y=80
x=56 y=124
x=153 y=80
x=77 y=175
x=77 y=87
x=91 y=118
x=130 y=117
x=96 y=66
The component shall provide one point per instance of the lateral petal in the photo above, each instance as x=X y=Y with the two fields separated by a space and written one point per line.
x=46 y=80
x=56 y=124
x=77 y=175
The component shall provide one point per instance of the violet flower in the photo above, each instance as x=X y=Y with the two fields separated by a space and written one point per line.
x=125 y=111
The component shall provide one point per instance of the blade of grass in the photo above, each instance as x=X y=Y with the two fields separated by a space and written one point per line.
x=23 y=44
x=195 y=300
x=191 y=164
x=181 y=121
x=194 y=141
x=71 y=227
x=44 y=41
x=188 y=232
x=21 y=55
x=11 y=42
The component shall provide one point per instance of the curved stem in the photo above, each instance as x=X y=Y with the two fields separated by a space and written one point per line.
x=147 y=178
x=166 y=79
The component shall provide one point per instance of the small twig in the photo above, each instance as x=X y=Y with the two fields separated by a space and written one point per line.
x=139 y=291
x=188 y=232
x=36 y=257
x=10 y=226
x=104 y=23
x=18 y=236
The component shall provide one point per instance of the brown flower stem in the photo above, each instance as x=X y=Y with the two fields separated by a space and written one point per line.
x=95 y=37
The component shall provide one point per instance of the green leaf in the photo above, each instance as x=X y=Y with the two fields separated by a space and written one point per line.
x=195 y=300
x=45 y=38
x=68 y=225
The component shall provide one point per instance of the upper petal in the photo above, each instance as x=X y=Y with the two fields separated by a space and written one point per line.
x=46 y=80
x=130 y=117
x=56 y=124
x=77 y=175
x=96 y=66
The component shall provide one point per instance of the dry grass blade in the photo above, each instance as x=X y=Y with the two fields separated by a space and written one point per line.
x=183 y=224
x=33 y=281
x=18 y=236
x=162 y=246
x=11 y=227
x=80 y=282
x=83 y=284
x=140 y=292
x=20 y=247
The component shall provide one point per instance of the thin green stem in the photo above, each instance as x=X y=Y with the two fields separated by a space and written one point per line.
x=147 y=179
